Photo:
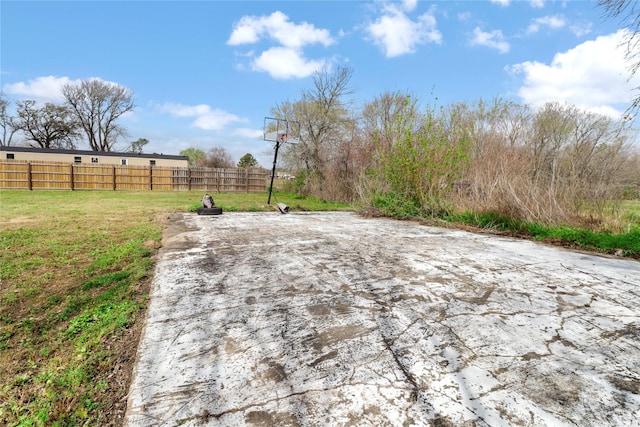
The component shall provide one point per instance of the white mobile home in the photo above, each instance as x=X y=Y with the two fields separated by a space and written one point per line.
x=29 y=154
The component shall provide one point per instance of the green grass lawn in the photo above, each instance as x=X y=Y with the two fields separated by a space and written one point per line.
x=75 y=270
x=619 y=234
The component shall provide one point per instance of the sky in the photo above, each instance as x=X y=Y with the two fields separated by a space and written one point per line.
x=205 y=74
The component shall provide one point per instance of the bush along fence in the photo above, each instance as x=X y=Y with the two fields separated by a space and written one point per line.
x=69 y=176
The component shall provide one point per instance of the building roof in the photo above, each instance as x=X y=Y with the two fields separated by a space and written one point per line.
x=91 y=153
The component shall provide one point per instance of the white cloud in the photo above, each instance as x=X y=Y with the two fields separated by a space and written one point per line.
x=245 y=32
x=580 y=29
x=503 y=3
x=42 y=89
x=287 y=60
x=464 y=16
x=493 y=39
x=592 y=75
x=397 y=34
x=46 y=89
x=248 y=133
x=250 y=29
x=285 y=63
x=551 y=21
x=205 y=117
x=538 y=4
x=409 y=5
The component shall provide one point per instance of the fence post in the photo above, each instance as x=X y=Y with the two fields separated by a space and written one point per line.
x=246 y=179
x=113 y=176
x=29 y=179
x=71 y=176
x=189 y=178
x=150 y=177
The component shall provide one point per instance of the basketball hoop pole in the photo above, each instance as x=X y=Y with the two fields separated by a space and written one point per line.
x=279 y=140
x=281 y=136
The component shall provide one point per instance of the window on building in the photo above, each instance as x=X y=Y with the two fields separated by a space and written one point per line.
x=77 y=159
x=123 y=162
x=10 y=156
x=152 y=162
x=94 y=160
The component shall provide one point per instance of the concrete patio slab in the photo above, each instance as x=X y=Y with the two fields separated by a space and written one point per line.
x=332 y=319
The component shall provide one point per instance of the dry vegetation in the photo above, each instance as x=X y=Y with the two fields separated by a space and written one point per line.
x=557 y=165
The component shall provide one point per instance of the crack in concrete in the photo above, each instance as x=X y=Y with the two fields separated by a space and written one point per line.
x=400 y=363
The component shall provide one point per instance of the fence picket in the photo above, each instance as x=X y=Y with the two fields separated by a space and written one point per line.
x=16 y=174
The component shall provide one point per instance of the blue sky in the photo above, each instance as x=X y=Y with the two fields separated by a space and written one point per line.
x=206 y=73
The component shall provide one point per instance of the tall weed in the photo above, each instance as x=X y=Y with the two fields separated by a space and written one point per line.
x=417 y=161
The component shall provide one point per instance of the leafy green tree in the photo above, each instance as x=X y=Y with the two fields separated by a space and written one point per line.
x=196 y=156
x=136 y=146
x=417 y=158
x=247 y=161
x=51 y=126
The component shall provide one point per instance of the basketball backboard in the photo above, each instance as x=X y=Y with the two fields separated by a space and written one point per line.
x=281 y=130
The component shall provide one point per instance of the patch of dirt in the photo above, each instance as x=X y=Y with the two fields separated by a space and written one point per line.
x=264 y=418
x=626 y=384
x=21 y=220
x=123 y=348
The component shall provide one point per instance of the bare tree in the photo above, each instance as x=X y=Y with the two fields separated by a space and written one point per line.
x=7 y=123
x=554 y=165
x=217 y=157
x=347 y=161
x=380 y=117
x=324 y=119
x=51 y=126
x=628 y=12
x=98 y=105
x=552 y=127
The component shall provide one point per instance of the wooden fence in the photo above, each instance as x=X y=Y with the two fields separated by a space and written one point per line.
x=15 y=174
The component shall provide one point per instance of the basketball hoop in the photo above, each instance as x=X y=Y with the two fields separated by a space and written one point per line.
x=280 y=131
x=281 y=137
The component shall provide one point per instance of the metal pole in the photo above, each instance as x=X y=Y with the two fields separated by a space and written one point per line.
x=273 y=171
